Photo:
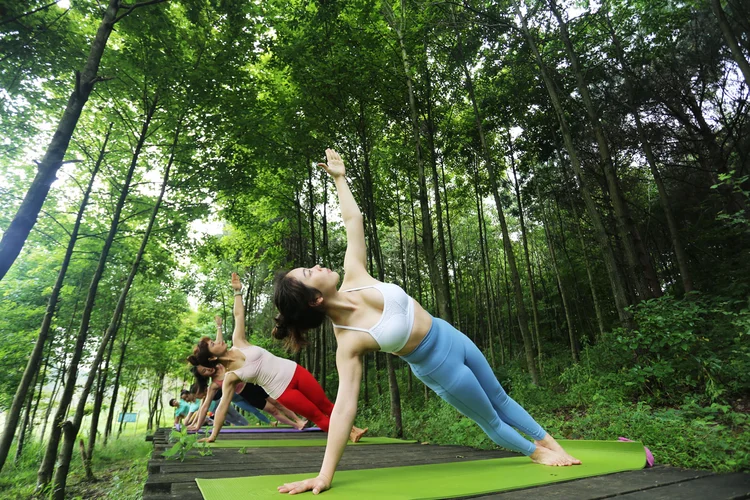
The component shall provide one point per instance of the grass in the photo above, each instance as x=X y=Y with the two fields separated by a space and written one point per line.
x=119 y=468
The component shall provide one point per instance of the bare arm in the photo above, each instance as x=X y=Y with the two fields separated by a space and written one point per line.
x=355 y=260
x=219 y=329
x=227 y=388
x=349 y=365
x=238 y=336
x=201 y=416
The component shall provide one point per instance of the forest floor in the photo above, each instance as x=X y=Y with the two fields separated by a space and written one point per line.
x=119 y=468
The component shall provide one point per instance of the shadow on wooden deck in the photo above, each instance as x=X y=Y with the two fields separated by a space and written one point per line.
x=173 y=480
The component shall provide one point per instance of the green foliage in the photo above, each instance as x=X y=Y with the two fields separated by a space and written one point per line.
x=184 y=443
x=681 y=346
x=120 y=469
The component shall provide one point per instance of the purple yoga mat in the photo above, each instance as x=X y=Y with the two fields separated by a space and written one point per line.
x=229 y=430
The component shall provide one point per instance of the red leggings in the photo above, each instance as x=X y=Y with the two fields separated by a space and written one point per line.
x=304 y=395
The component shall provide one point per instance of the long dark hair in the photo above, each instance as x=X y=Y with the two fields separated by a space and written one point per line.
x=201 y=355
x=296 y=315
x=201 y=382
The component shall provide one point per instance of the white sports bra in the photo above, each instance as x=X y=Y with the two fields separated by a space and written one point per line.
x=392 y=331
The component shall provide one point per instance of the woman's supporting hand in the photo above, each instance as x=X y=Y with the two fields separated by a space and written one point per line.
x=317 y=485
x=209 y=439
x=335 y=166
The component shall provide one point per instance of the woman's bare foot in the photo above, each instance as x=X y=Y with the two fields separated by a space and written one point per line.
x=551 y=444
x=545 y=456
x=274 y=424
x=300 y=424
x=356 y=434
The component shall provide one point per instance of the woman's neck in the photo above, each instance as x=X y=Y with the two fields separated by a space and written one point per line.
x=339 y=306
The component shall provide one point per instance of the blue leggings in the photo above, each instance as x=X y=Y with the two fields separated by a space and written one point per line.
x=450 y=364
x=240 y=402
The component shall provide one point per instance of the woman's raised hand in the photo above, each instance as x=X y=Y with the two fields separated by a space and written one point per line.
x=236 y=285
x=335 y=165
x=218 y=321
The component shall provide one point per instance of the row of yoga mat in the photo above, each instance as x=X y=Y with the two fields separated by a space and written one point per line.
x=434 y=481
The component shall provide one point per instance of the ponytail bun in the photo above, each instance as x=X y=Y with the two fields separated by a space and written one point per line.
x=280 y=331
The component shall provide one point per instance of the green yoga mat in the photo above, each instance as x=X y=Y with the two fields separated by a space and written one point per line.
x=284 y=443
x=475 y=477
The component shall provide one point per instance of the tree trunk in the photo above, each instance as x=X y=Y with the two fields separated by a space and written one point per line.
x=639 y=261
x=485 y=260
x=116 y=387
x=25 y=423
x=613 y=271
x=456 y=272
x=731 y=40
x=589 y=275
x=443 y=249
x=515 y=278
x=101 y=388
x=532 y=288
x=15 y=236
x=45 y=469
x=563 y=294
x=32 y=365
x=679 y=249
x=441 y=295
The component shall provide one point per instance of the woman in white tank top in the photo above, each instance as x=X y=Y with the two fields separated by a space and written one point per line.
x=284 y=380
x=372 y=316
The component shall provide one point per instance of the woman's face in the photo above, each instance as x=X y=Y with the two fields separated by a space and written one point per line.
x=206 y=371
x=217 y=348
x=318 y=277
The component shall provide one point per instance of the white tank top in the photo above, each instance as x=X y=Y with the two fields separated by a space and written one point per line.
x=270 y=372
x=392 y=331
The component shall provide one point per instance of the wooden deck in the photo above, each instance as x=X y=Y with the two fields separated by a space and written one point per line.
x=173 y=480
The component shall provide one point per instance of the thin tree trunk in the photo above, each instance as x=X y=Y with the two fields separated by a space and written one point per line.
x=613 y=271
x=101 y=388
x=679 y=249
x=639 y=261
x=563 y=294
x=115 y=389
x=589 y=275
x=32 y=365
x=731 y=40
x=456 y=273
x=441 y=295
x=532 y=288
x=25 y=423
x=45 y=469
x=443 y=248
x=15 y=236
x=515 y=278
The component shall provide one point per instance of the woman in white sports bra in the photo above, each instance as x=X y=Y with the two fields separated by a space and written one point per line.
x=367 y=316
x=284 y=380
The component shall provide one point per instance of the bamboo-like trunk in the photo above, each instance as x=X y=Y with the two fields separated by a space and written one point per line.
x=32 y=365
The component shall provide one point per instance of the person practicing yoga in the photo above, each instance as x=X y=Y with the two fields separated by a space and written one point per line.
x=182 y=408
x=284 y=380
x=249 y=397
x=367 y=316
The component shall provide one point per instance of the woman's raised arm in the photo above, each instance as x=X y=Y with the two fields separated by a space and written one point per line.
x=238 y=336
x=219 y=329
x=355 y=260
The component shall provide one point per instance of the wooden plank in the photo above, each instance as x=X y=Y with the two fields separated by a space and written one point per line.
x=721 y=486
x=173 y=480
x=605 y=486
